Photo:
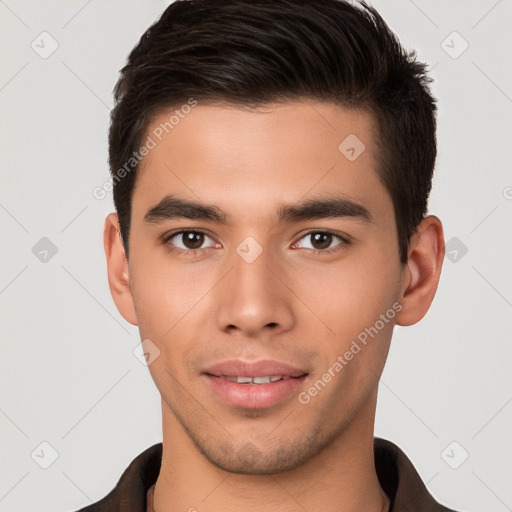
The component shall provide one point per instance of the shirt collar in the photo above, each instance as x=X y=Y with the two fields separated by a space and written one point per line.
x=396 y=474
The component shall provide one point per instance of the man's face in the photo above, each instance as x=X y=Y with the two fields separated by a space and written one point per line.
x=292 y=292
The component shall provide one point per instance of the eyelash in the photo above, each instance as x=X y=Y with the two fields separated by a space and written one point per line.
x=345 y=241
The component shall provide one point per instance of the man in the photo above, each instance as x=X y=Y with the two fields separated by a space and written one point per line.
x=271 y=164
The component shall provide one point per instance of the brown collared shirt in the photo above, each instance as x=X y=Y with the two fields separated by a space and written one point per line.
x=397 y=476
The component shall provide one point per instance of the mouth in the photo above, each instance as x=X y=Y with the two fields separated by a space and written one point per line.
x=255 y=380
x=256 y=385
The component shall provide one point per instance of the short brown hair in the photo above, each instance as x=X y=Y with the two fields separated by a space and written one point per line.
x=252 y=52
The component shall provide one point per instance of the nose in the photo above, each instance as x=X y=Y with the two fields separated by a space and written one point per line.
x=252 y=298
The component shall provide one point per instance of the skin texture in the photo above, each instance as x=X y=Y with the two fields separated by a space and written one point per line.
x=290 y=304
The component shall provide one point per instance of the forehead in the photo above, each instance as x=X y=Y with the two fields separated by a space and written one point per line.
x=250 y=159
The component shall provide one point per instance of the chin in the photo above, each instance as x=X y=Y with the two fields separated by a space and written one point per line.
x=246 y=458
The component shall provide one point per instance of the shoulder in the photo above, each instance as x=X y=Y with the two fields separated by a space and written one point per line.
x=129 y=494
x=400 y=480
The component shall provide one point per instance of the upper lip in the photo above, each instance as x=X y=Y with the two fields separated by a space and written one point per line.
x=267 y=367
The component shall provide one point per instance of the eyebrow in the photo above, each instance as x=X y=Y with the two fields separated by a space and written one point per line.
x=172 y=207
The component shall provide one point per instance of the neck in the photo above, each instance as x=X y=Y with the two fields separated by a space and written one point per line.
x=340 y=478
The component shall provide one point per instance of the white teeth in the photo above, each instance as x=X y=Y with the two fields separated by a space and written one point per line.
x=261 y=380
x=255 y=380
x=243 y=380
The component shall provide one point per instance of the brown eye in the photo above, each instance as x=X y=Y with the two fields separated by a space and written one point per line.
x=193 y=239
x=322 y=241
x=190 y=241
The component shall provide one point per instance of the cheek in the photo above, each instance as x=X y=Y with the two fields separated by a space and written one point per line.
x=355 y=303
x=166 y=293
x=350 y=295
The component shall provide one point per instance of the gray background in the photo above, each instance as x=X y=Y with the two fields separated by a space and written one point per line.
x=69 y=377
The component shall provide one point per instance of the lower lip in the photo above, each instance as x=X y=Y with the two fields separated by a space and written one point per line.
x=254 y=396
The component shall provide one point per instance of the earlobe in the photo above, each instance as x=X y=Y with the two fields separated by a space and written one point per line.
x=422 y=271
x=117 y=269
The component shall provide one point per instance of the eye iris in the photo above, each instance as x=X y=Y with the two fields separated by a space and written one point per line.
x=324 y=239
x=193 y=240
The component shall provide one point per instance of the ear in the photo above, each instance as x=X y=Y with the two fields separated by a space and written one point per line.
x=117 y=269
x=422 y=271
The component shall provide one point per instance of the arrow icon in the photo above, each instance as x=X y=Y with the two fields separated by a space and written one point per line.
x=249 y=245
x=44 y=250
x=44 y=455
x=454 y=45
x=351 y=147
x=148 y=350
x=455 y=249
x=454 y=455
x=44 y=45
